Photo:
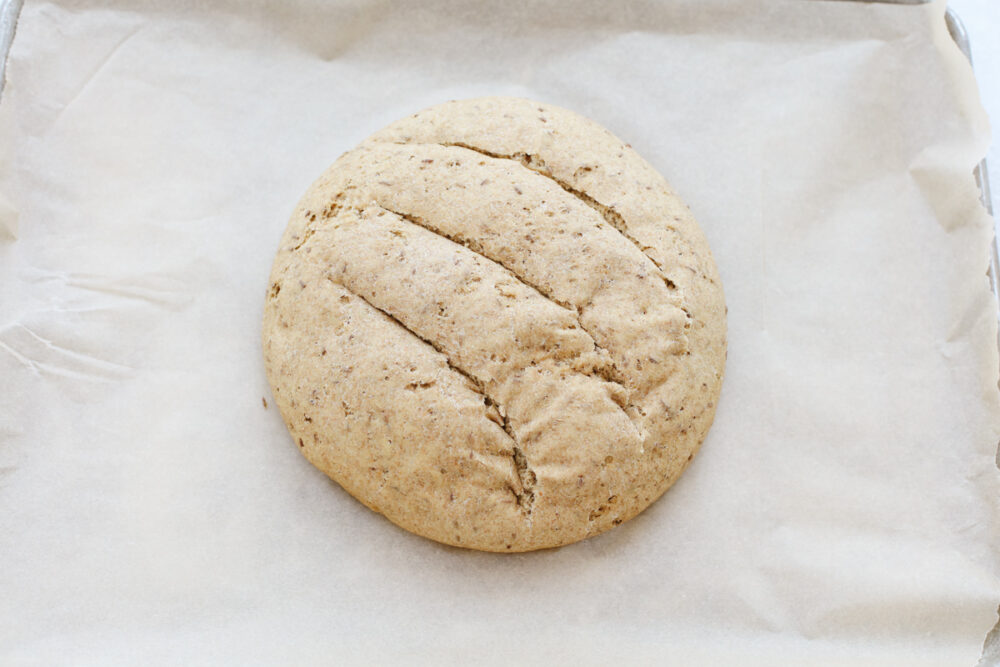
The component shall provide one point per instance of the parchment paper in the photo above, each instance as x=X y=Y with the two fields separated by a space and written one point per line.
x=843 y=510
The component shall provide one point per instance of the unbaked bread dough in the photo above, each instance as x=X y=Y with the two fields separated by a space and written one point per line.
x=497 y=325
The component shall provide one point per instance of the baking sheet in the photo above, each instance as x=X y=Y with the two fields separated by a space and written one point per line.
x=843 y=509
x=956 y=29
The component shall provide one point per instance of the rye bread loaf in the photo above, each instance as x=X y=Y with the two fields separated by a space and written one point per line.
x=497 y=325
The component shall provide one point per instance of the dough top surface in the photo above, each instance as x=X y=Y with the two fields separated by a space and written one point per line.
x=497 y=325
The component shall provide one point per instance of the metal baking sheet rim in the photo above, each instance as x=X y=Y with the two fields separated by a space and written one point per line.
x=10 y=9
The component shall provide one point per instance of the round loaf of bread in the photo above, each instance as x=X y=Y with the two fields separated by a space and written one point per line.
x=497 y=325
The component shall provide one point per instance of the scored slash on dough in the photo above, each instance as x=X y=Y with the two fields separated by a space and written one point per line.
x=609 y=372
x=613 y=218
x=525 y=497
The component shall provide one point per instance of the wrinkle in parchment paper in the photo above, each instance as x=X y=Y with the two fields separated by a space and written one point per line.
x=843 y=509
